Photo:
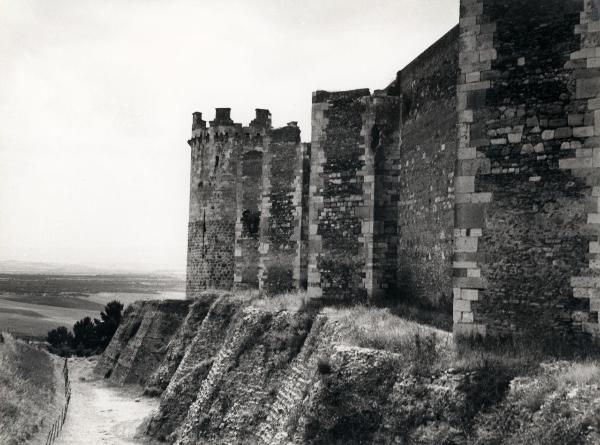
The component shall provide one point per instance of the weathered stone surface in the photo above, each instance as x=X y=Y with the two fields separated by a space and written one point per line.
x=243 y=233
x=140 y=343
x=180 y=342
x=195 y=365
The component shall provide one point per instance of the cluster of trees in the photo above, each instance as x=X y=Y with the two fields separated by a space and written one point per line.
x=89 y=336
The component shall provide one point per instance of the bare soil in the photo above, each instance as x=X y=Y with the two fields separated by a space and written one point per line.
x=101 y=413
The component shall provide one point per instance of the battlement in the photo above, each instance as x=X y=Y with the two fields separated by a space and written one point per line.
x=254 y=134
x=222 y=117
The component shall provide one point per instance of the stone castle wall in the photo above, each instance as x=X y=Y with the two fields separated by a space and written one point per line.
x=426 y=171
x=525 y=210
x=468 y=186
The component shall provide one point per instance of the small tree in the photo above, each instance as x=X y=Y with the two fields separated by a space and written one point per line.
x=60 y=337
x=88 y=337
x=85 y=334
x=109 y=321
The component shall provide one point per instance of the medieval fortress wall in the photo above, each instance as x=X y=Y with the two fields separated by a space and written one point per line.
x=470 y=185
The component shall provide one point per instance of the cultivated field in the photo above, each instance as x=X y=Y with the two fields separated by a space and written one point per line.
x=33 y=304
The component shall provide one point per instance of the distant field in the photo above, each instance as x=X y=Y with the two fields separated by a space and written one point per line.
x=82 y=285
x=31 y=305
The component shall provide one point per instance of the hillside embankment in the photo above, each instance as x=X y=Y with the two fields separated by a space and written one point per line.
x=234 y=368
x=31 y=392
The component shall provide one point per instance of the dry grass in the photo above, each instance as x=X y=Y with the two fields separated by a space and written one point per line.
x=27 y=389
x=290 y=301
x=580 y=374
x=377 y=328
x=424 y=350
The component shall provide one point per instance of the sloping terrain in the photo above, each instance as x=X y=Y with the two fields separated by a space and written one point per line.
x=28 y=391
x=240 y=370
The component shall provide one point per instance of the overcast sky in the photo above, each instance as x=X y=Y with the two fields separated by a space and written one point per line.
x=96 y=99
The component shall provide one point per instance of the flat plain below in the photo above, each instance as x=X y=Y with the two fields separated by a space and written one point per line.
x=33 y=304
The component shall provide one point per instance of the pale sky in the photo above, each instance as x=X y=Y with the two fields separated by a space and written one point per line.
x=96 y=98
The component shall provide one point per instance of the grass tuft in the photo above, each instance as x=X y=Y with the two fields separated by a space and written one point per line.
x=290 y=301
x=580 y=374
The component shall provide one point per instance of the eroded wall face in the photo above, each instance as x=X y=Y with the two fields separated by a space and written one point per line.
x=525 y=209
x=339 y=215
x=281 y=226
x=426 y=176
x=247 y=233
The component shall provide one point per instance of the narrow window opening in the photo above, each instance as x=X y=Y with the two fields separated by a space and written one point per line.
x=216 y=162
x=250 y=223
x=375 y=137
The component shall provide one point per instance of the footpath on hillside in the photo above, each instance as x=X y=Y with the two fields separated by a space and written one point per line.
x=101 y=413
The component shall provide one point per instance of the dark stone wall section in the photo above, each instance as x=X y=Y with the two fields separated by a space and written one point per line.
x=426 y=171
x=522 y=213
x=282 y=206
x=341 y=212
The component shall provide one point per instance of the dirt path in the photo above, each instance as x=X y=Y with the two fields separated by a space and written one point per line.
x=100 y=413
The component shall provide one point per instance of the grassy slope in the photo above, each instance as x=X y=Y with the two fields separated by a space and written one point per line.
x=519 y=394
x=27 y=389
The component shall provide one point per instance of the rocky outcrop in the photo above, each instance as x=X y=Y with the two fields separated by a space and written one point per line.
x=259 y=374
x=180 y=342
x=194 y=367
x=140 y=343
x=235 y=398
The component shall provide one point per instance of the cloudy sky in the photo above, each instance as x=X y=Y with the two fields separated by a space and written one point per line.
x=96 y=99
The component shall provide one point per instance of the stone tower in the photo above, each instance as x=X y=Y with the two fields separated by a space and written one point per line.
x=248 y=185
